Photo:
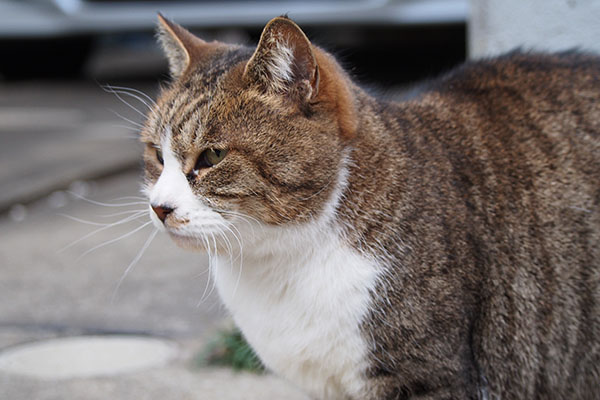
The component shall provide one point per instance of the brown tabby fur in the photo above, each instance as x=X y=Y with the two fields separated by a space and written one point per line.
x=493 y=179
x=481 y=197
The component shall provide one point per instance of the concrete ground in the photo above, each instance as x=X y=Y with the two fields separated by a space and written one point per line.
x=59 y=279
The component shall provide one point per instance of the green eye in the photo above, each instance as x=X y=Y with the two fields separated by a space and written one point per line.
x=159 y=157
x=210 y=158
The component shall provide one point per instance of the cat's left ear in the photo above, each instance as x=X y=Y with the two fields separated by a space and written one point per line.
x=181 y=47
x=284 y=61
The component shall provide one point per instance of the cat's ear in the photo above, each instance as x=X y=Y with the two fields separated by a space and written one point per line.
x=284 y=60
x=180 y=45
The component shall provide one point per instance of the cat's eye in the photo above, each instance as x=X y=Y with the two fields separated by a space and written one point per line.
x=159 y=156
x=209 y=158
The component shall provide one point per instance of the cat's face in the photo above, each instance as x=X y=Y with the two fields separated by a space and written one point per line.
x=242 y=138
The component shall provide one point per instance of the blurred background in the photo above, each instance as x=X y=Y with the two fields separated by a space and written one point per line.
x=77 y=256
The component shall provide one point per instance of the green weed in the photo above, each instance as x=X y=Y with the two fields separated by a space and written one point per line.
x=230 y=349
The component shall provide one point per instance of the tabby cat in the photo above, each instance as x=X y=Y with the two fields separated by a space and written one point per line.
x=444 y=247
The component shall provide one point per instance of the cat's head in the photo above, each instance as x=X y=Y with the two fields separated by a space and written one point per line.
x=244 y=135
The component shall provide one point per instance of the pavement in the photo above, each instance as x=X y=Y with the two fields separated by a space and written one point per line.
x=68 y=266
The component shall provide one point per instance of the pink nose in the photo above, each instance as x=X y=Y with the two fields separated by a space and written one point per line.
x=162 y=212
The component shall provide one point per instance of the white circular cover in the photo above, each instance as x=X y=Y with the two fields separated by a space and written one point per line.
x=86 y=356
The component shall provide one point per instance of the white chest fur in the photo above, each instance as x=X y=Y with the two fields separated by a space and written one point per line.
x=299 y=300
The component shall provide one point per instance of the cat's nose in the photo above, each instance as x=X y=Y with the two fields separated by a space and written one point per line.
x=162 y=212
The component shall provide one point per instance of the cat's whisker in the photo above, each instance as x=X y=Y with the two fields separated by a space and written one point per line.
x=231 y=264
x=215 y=253
x=98 y=203
x=132 y=122
x=144 y=99
x=214 y=242
x=83 y=221
x=210 y=283
x=134 y=262
x=114 y=240
x=128 y=127
x=201 y=274
x=229 y=245
x=130 y=198
x=118 y=94
x=315 y=194
x=240 y=255
x=237 y=235
x=105 y=227
x=244 y=218
x=130 y=91
x=135 y=213
x=123 y=213
x=206 y=286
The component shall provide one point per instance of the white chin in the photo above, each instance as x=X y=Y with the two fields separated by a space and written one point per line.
x=187 y=242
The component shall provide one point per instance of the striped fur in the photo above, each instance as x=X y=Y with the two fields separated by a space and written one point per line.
x=457 y=233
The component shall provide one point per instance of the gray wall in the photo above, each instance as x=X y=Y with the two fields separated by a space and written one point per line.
x=497 y=26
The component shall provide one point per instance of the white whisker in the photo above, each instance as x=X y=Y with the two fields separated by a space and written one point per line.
x=237 y=234
x=128 y=90
x=122 y=213
x=130 y=198
x=228 y=244
x=242 y=216
x=213 y=258
x=201 y=274
x=98 y=203
x=105 y=227
x=118 y=94
x=114 y=240
x=83 y=221
x=210 y=269
x=130 y=128
x=132 y=94
x=136 y=124
x=240 y=255
x=134 y=262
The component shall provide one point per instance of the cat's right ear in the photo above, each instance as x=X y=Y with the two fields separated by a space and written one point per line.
x=180 y=46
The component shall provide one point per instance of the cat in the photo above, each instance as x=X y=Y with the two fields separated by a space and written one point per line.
x=444 y=247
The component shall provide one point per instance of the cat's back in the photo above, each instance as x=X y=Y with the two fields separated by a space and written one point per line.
x=496 y=165
x=517 y=139
x=521 y=123
x=567 y=75
x=523 y=130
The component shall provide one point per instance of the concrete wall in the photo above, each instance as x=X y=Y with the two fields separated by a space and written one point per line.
x=497 y=26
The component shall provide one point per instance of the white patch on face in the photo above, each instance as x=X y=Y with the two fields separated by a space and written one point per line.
x=190 y=219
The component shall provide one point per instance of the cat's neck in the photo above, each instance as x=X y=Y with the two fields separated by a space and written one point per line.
x=377 y=159
x=257 y=241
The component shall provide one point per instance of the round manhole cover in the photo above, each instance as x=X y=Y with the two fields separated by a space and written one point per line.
x=86 y=356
